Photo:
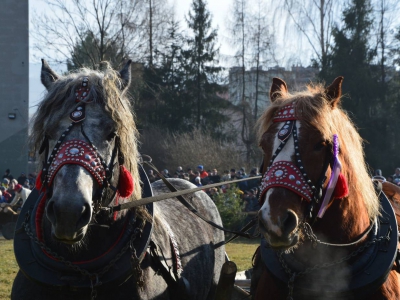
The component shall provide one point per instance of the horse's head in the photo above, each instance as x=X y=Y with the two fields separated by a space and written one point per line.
x=85 y=129
x=297 y=137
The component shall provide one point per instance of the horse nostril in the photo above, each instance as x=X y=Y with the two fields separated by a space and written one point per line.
x=85 y=216
x=51 y=213
x=290 y=222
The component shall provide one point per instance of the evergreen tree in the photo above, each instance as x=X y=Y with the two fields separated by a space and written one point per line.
x=86 y=53
x=202 y=70
x=352 y=58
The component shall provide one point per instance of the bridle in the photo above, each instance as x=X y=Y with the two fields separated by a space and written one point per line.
x=289 y=175
x=81 y=152
x=293 y=176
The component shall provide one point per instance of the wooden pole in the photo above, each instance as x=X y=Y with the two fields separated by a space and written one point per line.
x=226 y=281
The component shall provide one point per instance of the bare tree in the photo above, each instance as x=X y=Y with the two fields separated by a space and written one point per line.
x=314 y=19
x=386 y=12
x=251 y=37
x=97 y=29
x=155 y=27
x=261 y=47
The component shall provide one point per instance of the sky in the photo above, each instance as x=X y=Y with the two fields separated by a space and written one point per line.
x=218 y=8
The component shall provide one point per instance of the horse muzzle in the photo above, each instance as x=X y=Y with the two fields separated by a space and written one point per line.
x=69 y=220
x=283 y=234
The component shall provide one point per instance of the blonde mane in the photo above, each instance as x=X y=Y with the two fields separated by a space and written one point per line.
x=313 y=107
x=104 y=89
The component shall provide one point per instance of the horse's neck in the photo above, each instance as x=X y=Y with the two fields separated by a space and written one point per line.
x=97 y=241
x=345 y=221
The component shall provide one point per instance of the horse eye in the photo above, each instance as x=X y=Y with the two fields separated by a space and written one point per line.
x=320 y=146
x=111 y=136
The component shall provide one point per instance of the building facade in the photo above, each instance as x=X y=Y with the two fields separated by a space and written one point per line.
x=14 y=86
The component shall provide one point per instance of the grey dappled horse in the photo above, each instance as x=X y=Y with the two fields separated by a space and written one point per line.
x=67 y=244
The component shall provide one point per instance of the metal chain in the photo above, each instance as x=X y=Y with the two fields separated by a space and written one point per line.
x=93 y=277
x=308 y=232
x=326 y=265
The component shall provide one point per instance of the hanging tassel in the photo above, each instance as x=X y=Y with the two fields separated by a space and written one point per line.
x=341 y=189
x=125 y=184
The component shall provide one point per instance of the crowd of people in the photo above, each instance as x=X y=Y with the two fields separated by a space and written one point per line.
x=248 y=189
x=15 y=191
x=395 y=178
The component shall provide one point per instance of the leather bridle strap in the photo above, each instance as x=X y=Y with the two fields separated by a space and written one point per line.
x=103 y=179
x=194 y=210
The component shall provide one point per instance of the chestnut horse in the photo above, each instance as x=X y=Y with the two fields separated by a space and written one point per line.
x=326 y=233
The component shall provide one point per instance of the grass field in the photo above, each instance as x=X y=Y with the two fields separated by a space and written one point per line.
x=8 y=268
x=240 y=251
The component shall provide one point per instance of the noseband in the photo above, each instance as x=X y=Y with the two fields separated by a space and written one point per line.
x=80 y=152
x=289 y=175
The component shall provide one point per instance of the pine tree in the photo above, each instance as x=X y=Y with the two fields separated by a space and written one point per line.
x=202 y=70
x=352 y=58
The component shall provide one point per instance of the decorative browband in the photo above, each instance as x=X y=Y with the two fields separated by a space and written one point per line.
x=286 y=174
x=286 y=113
x=77 y=152
x=82 y=92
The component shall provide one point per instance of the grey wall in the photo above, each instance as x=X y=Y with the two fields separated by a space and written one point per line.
x=14 y=85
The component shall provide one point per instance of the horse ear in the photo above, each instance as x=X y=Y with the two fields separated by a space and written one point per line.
x=47 y=75
x=334 y=91
x=278 y=88
x=125 y=75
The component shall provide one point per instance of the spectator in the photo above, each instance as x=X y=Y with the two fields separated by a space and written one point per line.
x=226 y=176
x=251 y=202
x=378 y=175
x=243 y=184
x=150 y=175
x=390 y=179
x=243 y=172
x=26 y=184
x=214 y=176
x=7 y=174
x=192 y=175
x=32 y=179
x=179 y=170
x=165 y=173
x=11 y=187
x=21 y=179
x=396 y=176
x=233 y=174
x=202 y=172
x=6 y=195
x=197 y=181
x=253 y=183
x=196 y=174
x=5 y=183
x=213 y=193
x=21 y=193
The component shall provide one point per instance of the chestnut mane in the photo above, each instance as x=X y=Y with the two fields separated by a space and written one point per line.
x=313 y=107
